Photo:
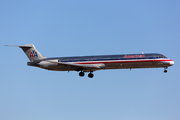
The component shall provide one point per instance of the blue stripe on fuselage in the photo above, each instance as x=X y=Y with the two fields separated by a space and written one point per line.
x=106 y=57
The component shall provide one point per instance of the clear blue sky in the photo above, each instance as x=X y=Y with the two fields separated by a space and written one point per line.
x=95 y=27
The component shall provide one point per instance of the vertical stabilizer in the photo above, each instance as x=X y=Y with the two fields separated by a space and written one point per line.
x=31 y=52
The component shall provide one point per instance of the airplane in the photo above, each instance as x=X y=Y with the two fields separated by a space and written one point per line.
x=93 y=63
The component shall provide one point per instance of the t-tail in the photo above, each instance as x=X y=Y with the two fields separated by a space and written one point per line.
x=31 y=52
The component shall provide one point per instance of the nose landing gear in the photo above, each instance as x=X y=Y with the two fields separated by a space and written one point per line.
x=165 y=71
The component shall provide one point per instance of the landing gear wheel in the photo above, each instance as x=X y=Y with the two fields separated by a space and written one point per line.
x=90 y=75
x=165 y=71
x=81 y=74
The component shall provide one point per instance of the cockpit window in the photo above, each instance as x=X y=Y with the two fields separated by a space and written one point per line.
x=162 y=56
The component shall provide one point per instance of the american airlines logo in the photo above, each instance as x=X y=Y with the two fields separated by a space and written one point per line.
x=134 y=56
x=33 y=54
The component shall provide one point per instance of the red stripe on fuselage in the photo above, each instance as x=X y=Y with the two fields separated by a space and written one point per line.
x=124 y=61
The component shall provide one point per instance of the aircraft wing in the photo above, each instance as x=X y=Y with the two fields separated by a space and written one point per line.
x=79 y=67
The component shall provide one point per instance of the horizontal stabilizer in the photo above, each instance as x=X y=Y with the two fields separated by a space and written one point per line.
x=22 y=46
x=12 y=45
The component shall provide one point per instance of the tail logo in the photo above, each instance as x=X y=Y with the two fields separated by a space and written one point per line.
x=33 y=54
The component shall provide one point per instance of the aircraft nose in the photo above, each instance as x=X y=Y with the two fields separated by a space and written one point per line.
x=171 y=62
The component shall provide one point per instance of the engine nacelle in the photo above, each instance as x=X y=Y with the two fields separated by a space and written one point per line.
x=48 y=63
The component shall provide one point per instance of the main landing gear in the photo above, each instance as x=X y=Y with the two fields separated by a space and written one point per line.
x=90 y=75
x=81 y=74
x=165 y=71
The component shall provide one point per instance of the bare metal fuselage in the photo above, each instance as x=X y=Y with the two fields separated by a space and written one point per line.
x=110 y=63
x=93 y=63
